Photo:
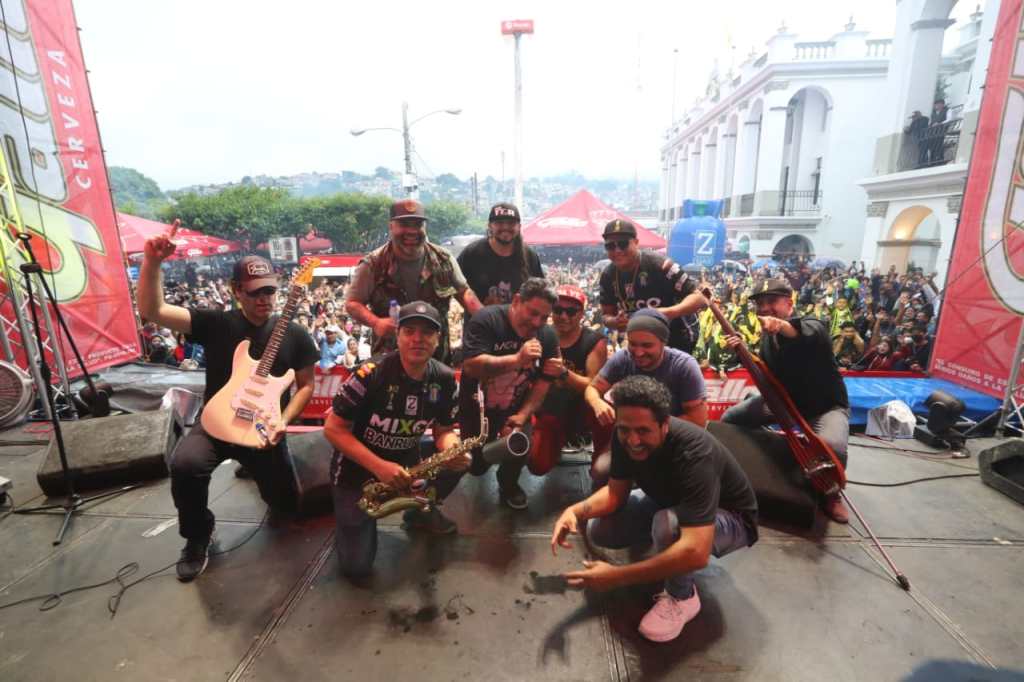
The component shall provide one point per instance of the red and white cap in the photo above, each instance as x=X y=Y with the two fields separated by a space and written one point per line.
x=572 y=293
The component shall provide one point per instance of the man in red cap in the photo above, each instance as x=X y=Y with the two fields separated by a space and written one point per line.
x=408 y=268
x=254 y=286
x=563 y=415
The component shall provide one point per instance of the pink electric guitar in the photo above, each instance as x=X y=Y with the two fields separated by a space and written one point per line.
x=248 y=407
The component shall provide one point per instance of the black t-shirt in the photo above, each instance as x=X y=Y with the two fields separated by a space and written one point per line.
x=560 y=399
x=693 y=472
x=493 y=278
x=806 y=366
x=390 y=411
x=220 y=332
x=489 y=332
x=658 y=283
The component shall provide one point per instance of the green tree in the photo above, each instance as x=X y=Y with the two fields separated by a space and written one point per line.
x=445 y=219
x=134 y=193
x=240 y=212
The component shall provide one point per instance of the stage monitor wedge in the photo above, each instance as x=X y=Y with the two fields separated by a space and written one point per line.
x=1002 y=467
x=111 y=451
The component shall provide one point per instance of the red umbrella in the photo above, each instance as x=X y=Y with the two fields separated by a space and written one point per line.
x=135 y=231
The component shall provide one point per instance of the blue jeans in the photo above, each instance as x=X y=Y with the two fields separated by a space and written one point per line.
x=355 y=533
x=641 y=517
x=833 y=427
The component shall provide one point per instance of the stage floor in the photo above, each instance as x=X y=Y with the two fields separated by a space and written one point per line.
x=482 y=605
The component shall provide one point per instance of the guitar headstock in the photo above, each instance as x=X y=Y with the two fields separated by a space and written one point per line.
x=304 y=275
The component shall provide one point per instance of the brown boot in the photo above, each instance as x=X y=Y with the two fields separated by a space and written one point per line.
x=835 y=509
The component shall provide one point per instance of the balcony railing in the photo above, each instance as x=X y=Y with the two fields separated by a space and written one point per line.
x=878 y=47
x=934 y=145
x=815 y=50
x=799 y=202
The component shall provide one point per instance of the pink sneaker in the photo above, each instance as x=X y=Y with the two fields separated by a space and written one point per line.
x=666 y=619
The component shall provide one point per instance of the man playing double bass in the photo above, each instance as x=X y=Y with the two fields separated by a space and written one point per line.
x=798 y=351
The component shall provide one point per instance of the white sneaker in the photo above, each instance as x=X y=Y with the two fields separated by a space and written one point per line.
x=666 y=619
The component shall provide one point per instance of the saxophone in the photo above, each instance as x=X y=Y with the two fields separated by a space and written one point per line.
x=380 y=499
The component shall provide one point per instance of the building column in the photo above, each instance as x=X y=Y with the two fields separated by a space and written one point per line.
x=769 y=158
x=710 y=170
x=693 y=172
x=679 y=194
x=925 y=48
x=726 y=142
x=746 y=157
x=665 y=189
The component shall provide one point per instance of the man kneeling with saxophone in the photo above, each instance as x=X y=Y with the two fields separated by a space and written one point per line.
x=379 y=416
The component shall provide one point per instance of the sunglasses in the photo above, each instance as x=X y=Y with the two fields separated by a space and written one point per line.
x=620 y=244
x=568 y=312
x=262 y=291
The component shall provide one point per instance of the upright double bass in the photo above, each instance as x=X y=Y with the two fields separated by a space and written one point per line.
x=818 y=461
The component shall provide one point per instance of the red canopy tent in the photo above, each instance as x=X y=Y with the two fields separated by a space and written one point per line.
x=579 y=221
x=135 y=231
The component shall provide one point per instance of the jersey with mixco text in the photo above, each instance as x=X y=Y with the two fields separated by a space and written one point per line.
x=657 y=282
x=390 y=411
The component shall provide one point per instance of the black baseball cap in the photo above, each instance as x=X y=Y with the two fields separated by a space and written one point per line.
x=619 y=228
x=407 y=208
x=421 y=310
x=253 y=272
x=503 y=212
x=773 y=286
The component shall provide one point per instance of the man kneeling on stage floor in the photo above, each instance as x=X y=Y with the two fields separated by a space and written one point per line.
x=379 y=416
x=693 y=500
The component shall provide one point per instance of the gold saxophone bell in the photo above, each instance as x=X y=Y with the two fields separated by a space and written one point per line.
x=380 y=499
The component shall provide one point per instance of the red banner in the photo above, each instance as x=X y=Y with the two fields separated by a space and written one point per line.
x=721 y=394
x=60 y=182
x=325 y=386
x=982 y=307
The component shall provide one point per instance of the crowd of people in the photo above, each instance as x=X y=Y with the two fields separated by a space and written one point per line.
x=878 y=321
x=551 y=350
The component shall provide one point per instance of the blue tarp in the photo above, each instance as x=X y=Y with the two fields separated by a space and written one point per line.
x=868 y=392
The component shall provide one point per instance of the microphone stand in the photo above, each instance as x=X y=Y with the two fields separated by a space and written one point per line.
x=73 y=502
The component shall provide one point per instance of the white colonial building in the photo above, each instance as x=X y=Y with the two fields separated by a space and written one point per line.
x=917 y=180
x=783 y=142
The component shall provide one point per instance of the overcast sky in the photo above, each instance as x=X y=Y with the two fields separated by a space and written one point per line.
x=208 y=91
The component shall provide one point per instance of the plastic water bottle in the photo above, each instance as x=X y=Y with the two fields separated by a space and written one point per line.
x=393 y=309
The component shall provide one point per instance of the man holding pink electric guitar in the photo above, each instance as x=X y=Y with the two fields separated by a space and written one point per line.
x=253 y=357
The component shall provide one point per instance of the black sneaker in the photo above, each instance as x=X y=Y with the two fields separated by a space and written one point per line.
x=432 y=521
x=513 y=496
x=193 y=560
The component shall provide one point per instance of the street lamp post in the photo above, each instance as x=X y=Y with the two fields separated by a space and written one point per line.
x=409 y=181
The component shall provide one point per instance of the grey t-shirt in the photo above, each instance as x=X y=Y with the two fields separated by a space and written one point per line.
x=678 y=372
x=408 y=275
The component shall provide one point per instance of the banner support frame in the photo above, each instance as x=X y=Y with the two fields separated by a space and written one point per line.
x=1010 y=404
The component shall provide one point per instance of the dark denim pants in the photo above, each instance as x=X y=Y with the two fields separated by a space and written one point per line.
x=641 y=518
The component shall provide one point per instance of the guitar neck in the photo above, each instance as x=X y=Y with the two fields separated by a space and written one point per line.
x=277 y=336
